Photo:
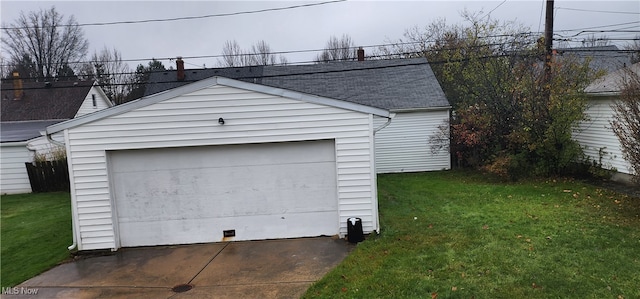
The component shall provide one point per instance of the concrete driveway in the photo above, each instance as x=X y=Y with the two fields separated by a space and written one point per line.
x=251 y=269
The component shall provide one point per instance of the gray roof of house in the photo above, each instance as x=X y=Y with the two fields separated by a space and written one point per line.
x=160 y=81
x=16 y=131
x=607 y=58
x=612 y=83
x=43 y=100
x=396 y=84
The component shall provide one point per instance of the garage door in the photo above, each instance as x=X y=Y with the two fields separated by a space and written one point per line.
x=196 y=194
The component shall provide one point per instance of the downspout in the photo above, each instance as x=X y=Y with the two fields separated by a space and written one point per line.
x=387 y=123
x=58 y=143
x=73 y=227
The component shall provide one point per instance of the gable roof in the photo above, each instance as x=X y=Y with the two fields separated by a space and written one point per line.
x=205 y=83
x=394 y=84
x=607 y=58
x=43 y=101
x=611 y=83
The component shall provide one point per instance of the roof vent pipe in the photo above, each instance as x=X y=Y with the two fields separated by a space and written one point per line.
x=360 y=53
x=17 y=86
x=180 y=68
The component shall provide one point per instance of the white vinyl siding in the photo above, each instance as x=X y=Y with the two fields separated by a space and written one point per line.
x=596 y=136
x=102 y=102
x=405 y=145
x=192 y=120
x=14 y=173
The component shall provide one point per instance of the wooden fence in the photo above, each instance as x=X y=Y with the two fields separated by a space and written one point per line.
x=48 y=176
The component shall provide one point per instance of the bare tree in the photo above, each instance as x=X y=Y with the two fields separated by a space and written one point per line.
x=5 y=70
x=111 y=73
x=338 y=49
x=593 y=41
x=47 y=40
x=635 y=49
x=626 y=118
x=260 y=53
x=231 y=54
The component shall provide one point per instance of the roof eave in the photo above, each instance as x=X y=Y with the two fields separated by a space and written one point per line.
x=14 y=143
x=603 y=94
x=424 y=109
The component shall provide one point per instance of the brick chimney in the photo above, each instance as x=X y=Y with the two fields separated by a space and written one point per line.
x=180 y=68
x=17 y=86
x=360 y=54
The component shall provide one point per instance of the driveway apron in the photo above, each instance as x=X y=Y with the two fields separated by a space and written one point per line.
x=248 y=269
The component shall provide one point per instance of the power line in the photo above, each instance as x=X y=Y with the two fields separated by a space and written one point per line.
x=394 y=55
x=489 y=13
x=601 y=11
x=490 y=45
x=524 y=34
x=541 y=13
x=308 y=72
x=415 y=54
x=602 y=26
x=185 y=18
x=602 y=31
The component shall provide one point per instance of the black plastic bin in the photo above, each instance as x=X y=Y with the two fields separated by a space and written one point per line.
x=354 y=230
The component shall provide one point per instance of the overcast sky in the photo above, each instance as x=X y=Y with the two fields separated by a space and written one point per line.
x=304 y=28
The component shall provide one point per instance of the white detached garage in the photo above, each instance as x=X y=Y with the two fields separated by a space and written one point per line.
x=217 y=160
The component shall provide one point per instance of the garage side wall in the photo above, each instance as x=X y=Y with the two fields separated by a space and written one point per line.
x=192 y=120
x=597 y=138
x=405 y=145
x=14 y=178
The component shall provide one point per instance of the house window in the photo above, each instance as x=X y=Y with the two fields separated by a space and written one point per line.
x=95 y=103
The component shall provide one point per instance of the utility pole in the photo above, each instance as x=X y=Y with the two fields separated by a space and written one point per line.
x=548 y=39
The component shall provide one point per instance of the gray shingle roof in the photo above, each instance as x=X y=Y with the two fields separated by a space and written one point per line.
x=607 y=58
x=165 y=80
x=396 y=84
x=23 y=130
x=57 y=100
x=612 y=83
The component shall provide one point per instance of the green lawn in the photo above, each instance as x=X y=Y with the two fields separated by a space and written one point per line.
x=461 y=235
x=35 y=231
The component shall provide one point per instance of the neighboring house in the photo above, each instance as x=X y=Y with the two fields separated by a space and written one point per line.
x=595 y=134
x=406 y=87
x=220 y=159
x=27 y=109
x=604 y=58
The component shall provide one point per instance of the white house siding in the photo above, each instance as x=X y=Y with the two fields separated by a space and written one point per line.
x=102 y=102
x=405 y=145
x=192 y=120
x=13 y=155
x=596 y=136
x=14 y=178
